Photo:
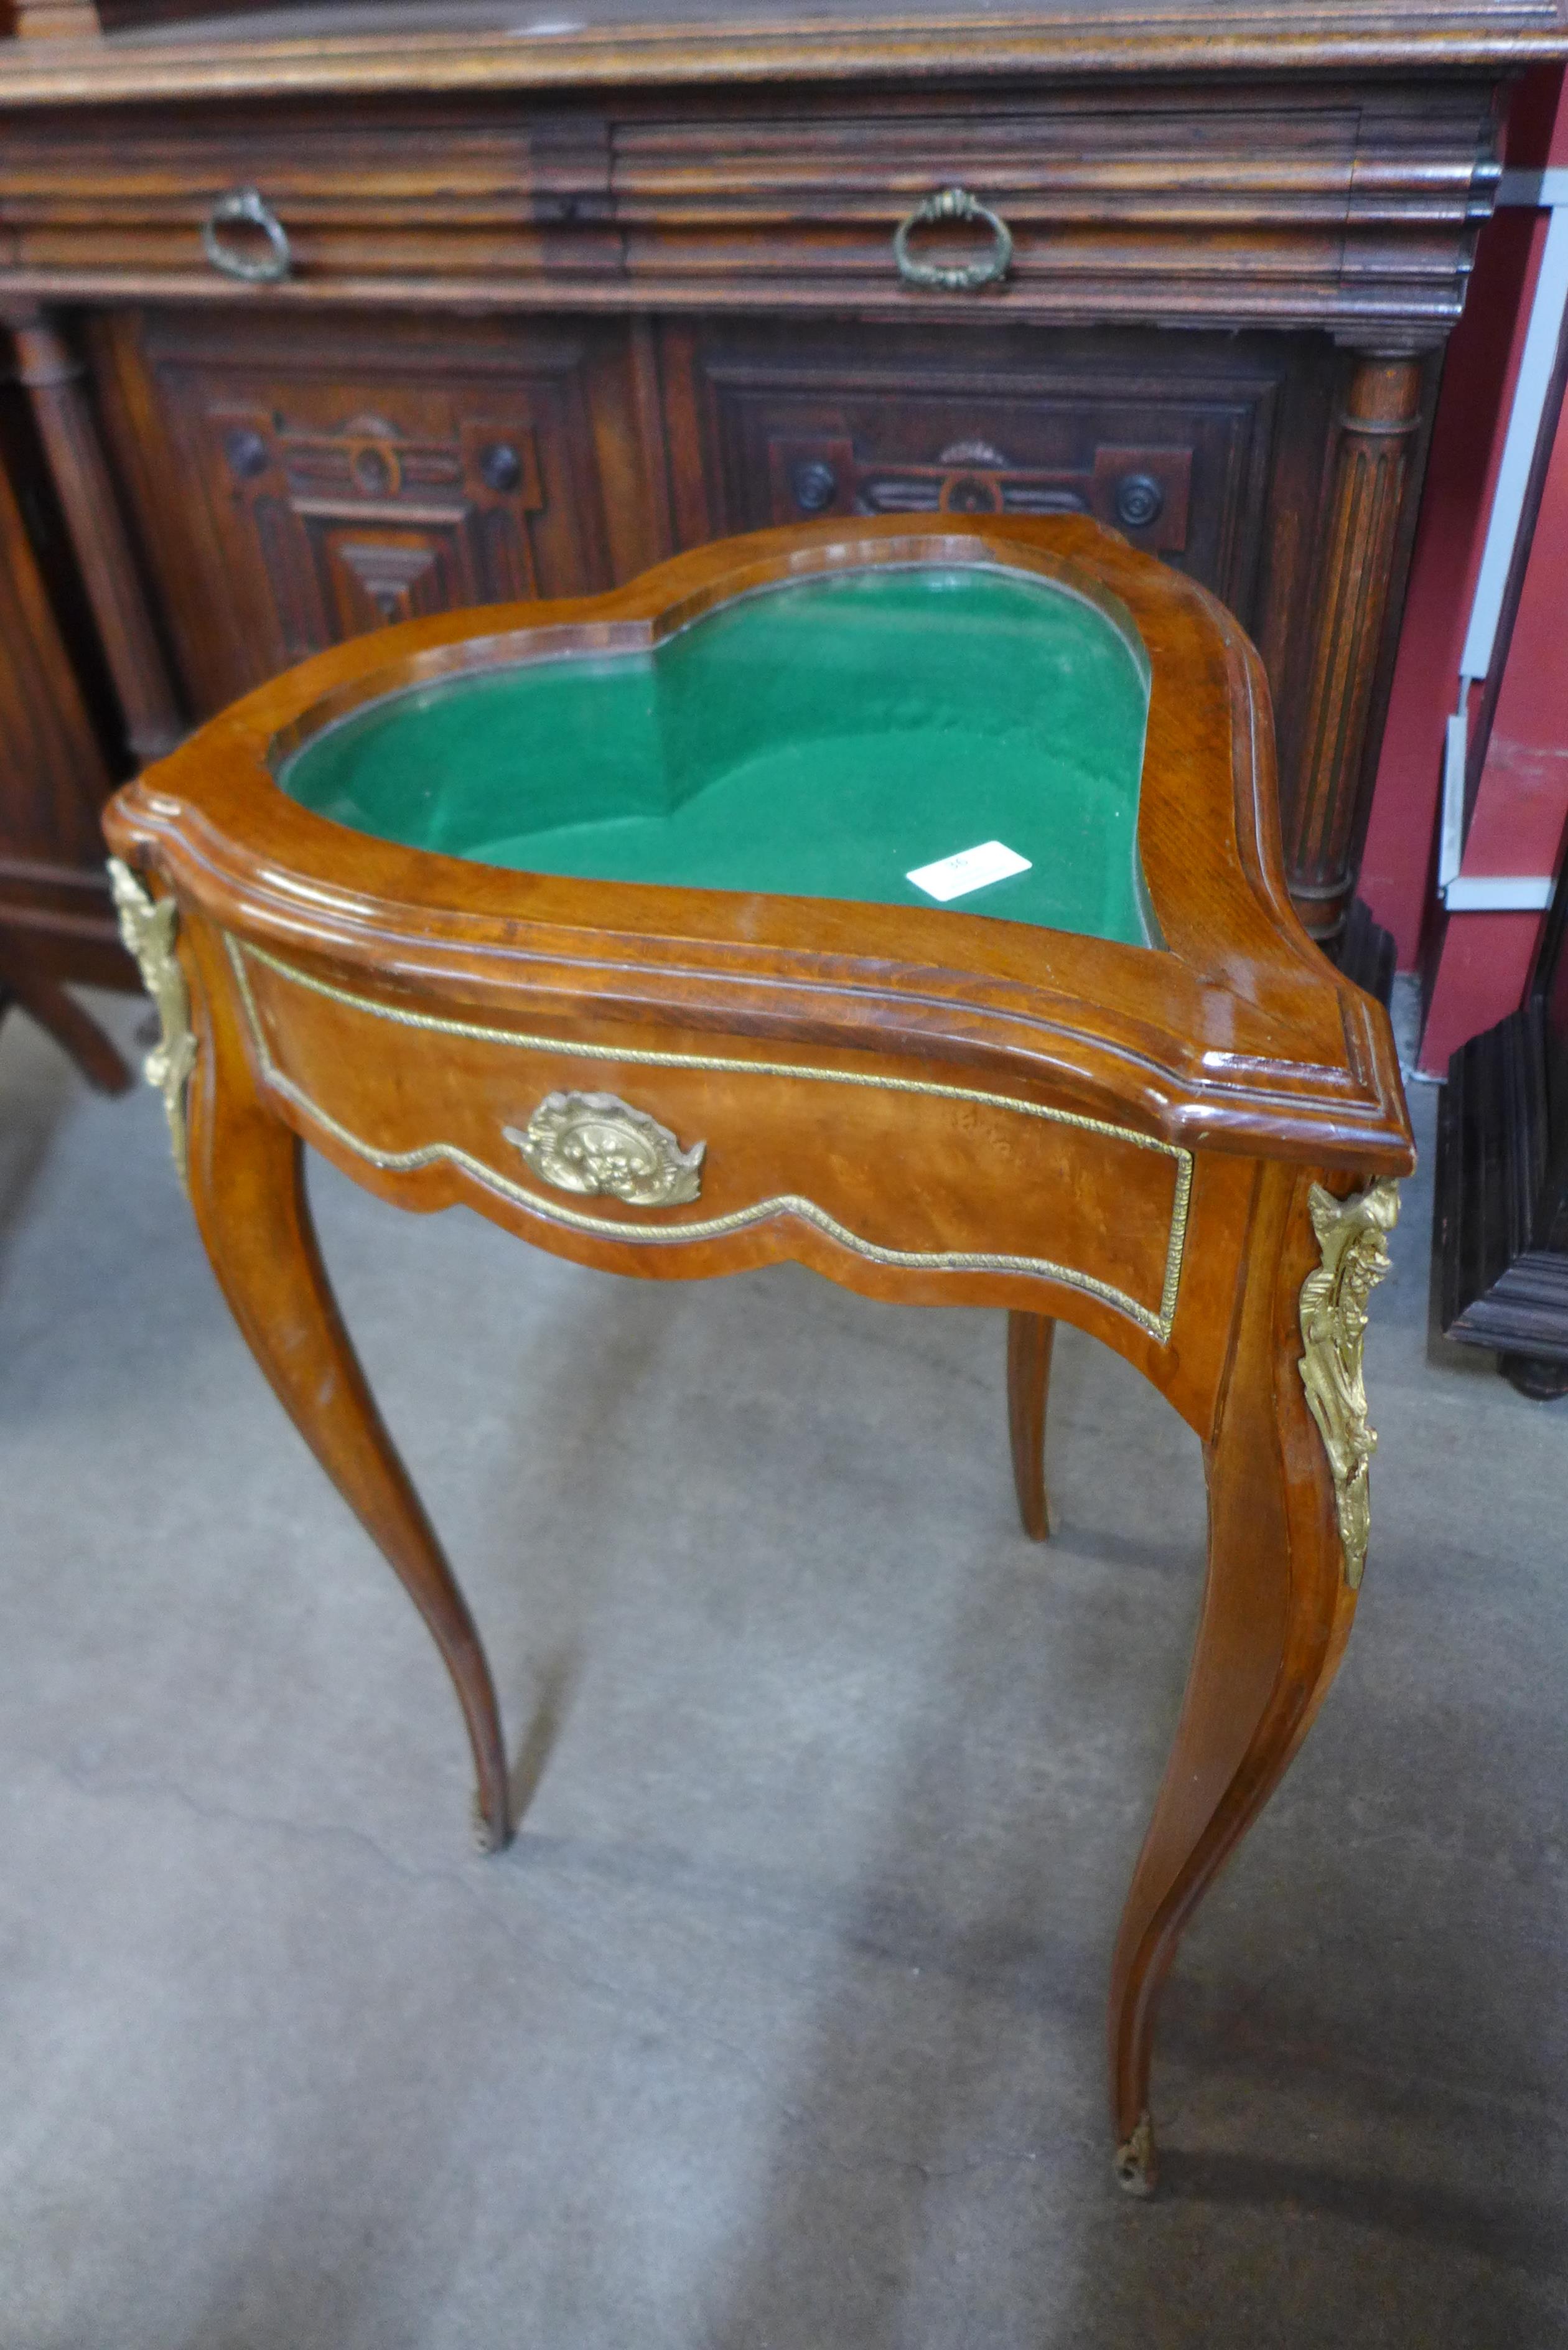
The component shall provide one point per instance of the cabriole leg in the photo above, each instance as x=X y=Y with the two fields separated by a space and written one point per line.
x=1030 y=1337
x=1277 y=1609
x=246 y=1179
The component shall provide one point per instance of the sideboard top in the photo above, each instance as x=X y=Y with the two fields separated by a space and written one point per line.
x=422 y=45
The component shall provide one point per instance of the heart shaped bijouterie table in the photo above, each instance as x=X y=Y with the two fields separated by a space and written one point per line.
x=904 y=900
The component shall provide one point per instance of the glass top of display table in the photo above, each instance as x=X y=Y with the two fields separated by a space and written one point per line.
x=827 y=737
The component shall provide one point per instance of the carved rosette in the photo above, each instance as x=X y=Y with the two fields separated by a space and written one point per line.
x=148 y=925
x=597 y=1143
x=1352 y=1237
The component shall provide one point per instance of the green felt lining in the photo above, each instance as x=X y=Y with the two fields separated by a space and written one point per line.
x=817 y=739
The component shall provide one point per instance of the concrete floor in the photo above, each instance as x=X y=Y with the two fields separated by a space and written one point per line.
x=780 y=2028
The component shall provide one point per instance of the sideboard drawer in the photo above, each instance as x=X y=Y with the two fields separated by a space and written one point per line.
x=818 y=194
x=651 y=1150
x=1148 y=205
x=356 y=200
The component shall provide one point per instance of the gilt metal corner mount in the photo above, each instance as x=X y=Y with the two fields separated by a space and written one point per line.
x=148 y=925
x=1352 y=1236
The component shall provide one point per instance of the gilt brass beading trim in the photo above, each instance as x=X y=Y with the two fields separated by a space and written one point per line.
x=148 y=925
x=1350 y=1236
x=1158 y=1324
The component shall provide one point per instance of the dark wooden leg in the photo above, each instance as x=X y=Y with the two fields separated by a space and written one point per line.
x=246 y=1179
x=1541 y=1378
x=45 y=1000
x=1030 y=1337
x=56 y=382
x=1276 y=1613
x=1499 y=1234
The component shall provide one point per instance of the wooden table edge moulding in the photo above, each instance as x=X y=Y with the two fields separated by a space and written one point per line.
x=72 y=51
x=1208 y=1129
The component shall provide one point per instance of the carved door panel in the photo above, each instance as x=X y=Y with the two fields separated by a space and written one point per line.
x=1180 y=443
x=301 y=480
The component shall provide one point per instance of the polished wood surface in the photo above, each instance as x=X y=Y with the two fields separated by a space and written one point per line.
x=923 y=1103
x=448 y=43
x=563 y=297
x=247 y=1189
x=1277 y=1611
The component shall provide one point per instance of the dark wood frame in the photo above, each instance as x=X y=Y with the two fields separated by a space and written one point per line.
x=1500 y=1232
x=901 y=1098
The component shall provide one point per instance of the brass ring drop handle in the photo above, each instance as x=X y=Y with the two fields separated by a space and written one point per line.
x=245 y=207
x=954 y=277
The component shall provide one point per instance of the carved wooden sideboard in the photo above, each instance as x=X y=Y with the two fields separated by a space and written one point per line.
x=529 y=302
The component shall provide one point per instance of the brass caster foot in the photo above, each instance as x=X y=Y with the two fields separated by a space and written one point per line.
x=1137 y=2166
x=487 y=1838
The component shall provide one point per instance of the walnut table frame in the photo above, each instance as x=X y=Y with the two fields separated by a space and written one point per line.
x=1186 y=1151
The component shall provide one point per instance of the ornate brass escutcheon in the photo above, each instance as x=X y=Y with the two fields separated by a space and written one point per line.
x=148 y=925
x=1350 y=1236
x=597 y=1143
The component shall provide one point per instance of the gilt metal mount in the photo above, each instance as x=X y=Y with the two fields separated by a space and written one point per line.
x=148 y=925
x=597 y=1143
x=1352 y=1237
x=1136 y=2165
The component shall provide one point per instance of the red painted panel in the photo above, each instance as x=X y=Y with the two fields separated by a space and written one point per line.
x=1481 y=980
x=1521 y=802
x=1398 y=864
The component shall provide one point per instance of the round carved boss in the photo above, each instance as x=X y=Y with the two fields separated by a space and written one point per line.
x=500 y=467
x=1139 y=501
x=246 y=453
x=816 y=485
x=597 y=1143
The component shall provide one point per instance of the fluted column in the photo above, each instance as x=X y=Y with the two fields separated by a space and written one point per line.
x=1377 y=429
x=56 y=385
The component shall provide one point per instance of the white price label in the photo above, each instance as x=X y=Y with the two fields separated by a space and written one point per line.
x=970 y=868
